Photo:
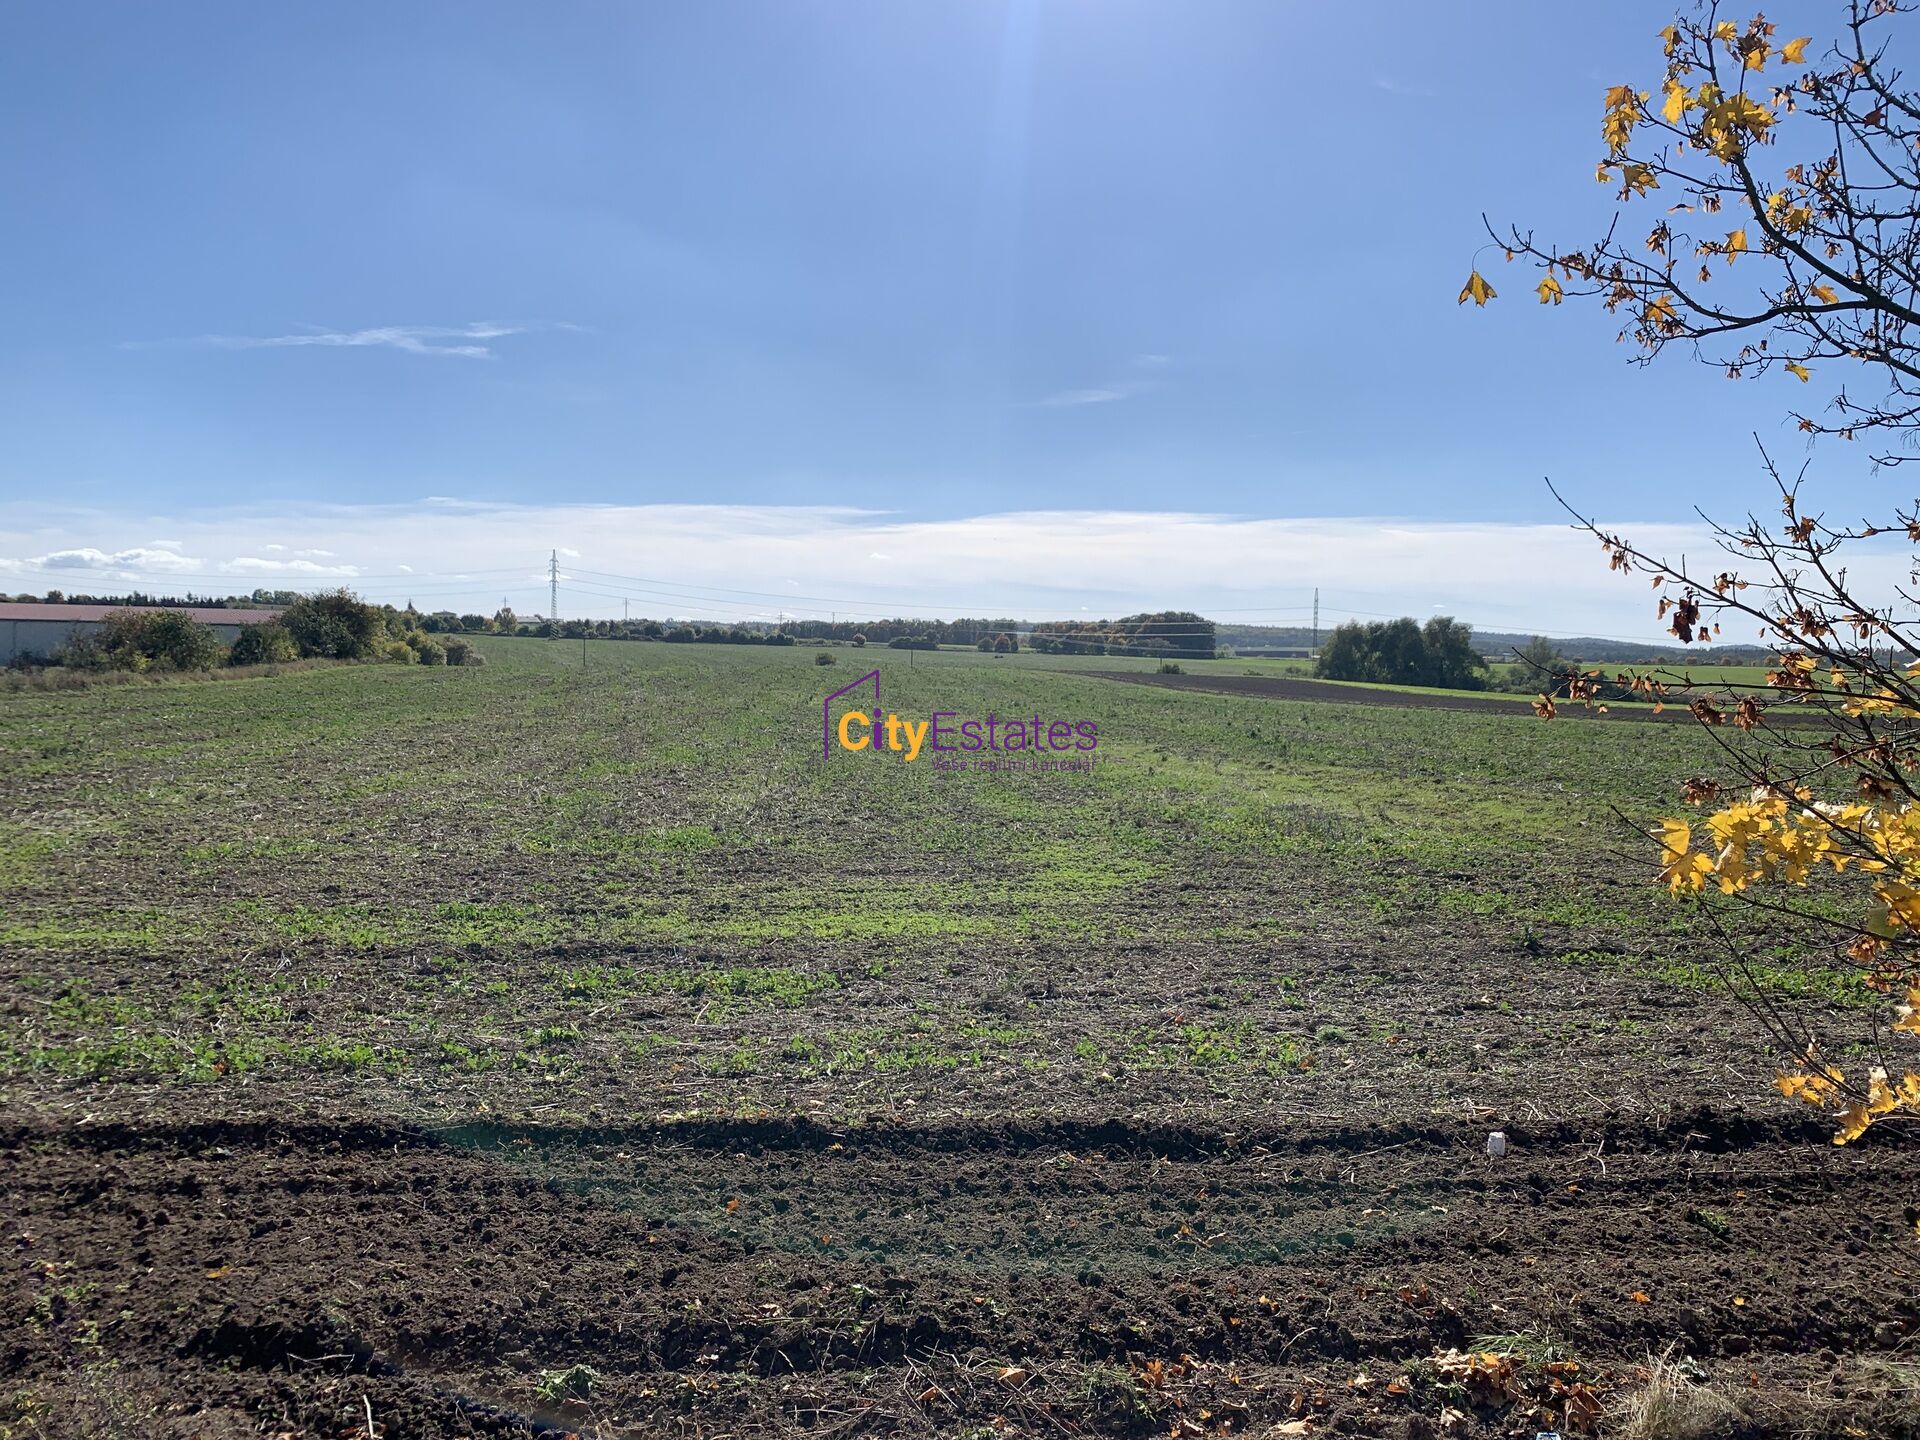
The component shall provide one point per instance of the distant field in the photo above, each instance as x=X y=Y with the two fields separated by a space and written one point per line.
x=574 y=1013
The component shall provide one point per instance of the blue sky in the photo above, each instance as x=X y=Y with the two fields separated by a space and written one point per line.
x=940 y=259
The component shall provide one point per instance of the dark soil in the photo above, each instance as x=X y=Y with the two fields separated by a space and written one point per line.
x=1284 y=687
x=324 y=1278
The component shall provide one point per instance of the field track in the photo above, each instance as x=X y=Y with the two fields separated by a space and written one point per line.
x=1287 y=687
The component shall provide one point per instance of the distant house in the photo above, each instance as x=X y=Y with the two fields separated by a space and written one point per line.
x=34 y=630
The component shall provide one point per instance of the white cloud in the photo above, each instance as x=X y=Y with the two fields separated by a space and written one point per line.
x=1112 y=390
x=292 y=569
x=145 y=563
x=710 y=561
x=1098 y=395
x=138 y=559
x=463 y=342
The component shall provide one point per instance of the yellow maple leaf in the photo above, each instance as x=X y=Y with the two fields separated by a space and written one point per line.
x=1622 y=114
x=1681 y=867
x=1730 y=122
x=1794 y=52
x=1550 y=292
x=1853 y=1124
x=1825 y=294
x=1736 y=243
x=1757 y=58
x=1799 y=370
x=1725 y=32
x=1907 y=1017
x=1677 y=99
x=1477 y=290
x=1637 y=179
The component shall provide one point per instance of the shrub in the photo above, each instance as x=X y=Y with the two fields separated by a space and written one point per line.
x=459 y=652
x=336 y=625
x=143 y=640
x=83 y=651
x=823 y=658
x=1169 y=667
x=780 y=637
x=859 y=642
x=174 y=638
x=426 y=649
x=398 y=651
x=268 y=644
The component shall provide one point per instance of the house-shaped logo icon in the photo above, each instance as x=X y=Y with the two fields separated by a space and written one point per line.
x=826 y=710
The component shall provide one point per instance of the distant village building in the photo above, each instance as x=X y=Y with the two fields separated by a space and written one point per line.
x=34 y=630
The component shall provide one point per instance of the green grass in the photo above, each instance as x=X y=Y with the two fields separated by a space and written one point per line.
x=613 y=869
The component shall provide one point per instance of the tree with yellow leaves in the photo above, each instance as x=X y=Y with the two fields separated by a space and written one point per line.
x=1789 y=244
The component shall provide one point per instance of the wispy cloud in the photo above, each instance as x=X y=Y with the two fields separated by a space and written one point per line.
x=142 y=562
x=413 y=339
x=1095 y=395
x=1112 y=390
x=291 y=569
x=459 y=342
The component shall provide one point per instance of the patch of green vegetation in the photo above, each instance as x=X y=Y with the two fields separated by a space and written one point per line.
x=859 y=924
x=1796 y=980
x=1536 y=1348
x=24 y=853
x=649 y=852
x=1243 y=1045
x=259 y=848
x=148 y=930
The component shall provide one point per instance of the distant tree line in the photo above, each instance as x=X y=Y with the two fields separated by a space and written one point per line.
x=964 y=631
x=258 y=600
x=1498 y=645
x=1404 y=652
x=334 y=625
x=1167 y=634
